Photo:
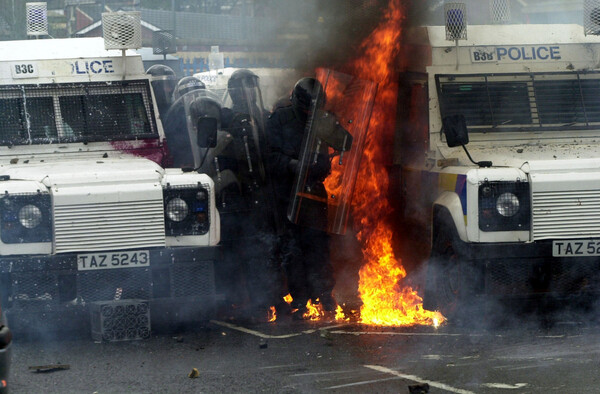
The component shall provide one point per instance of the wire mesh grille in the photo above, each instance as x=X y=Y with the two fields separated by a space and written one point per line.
x=163 y=42
x=75 y=112
x=591 y=17
x=504 y=206
x=193 y=280
x=35 y=287
x=500 y=11
x=110 y=284
x=456 y=21
x=507 y=278
x=37 y=19
x=187 y=209
x=519 y=102
x=122 y=30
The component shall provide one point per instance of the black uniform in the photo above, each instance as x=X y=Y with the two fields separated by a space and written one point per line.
x=248 y=228
x=304 y=250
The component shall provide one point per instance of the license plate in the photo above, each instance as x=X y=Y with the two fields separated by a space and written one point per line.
x=576 y=248
x=100 y=261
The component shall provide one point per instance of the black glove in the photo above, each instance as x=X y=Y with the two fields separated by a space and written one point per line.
x=320 y=170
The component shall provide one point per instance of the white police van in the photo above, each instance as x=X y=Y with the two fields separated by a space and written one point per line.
x=517 y=213
x=89 y=210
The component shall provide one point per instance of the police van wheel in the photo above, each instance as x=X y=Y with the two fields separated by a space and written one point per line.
x=444 y=289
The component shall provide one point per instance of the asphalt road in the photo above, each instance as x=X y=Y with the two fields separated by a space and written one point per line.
x=521 y=356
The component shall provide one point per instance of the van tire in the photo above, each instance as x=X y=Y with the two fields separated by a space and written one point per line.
x=445 y=289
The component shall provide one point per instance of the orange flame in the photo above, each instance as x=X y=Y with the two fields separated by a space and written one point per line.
x=385 y=300
x=313 y=311
x=271 y=314
x=340 y=315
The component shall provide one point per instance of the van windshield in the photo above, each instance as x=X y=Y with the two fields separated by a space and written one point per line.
x=88 y=112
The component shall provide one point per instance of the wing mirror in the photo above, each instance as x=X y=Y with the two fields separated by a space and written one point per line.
x=455 y=130
x=207 y=132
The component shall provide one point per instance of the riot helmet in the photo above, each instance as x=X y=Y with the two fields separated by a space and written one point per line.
x=239 y=84
x=186 y=85
x=163 y=80
x=307 y=93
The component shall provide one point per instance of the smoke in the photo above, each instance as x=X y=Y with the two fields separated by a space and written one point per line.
x=322 y=33
x=430 y=12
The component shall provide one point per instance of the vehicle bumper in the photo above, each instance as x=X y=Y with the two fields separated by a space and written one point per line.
x=528 y=269
x=45 y=292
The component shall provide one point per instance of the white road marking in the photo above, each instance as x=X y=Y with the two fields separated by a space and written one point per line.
x=505 y=386
x=408 y=334
x=253 y=332
x=414 y=378
x=322 y=373
x=361 y=383
x=268 y=336
x=282 y=366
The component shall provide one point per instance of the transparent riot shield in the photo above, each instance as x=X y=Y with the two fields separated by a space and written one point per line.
x=331 y=151
x=181 y=128
x=245 y=120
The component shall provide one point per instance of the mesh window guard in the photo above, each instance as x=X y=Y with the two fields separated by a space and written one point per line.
x=522 y=102
x=88 y=112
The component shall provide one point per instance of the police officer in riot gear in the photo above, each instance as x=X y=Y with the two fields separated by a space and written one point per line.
x=163 y=83
x=180 y=127
x=187 y=85
x=304 y=250
x=247 y=218
x=243 y=88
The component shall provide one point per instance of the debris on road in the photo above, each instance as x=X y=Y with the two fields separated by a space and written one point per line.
x=263 y=344
x=418 y=388
x=49 y=368
x=194 y=374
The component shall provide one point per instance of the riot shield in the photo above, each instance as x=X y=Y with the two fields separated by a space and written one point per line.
x=181 y=125
x=245 y=120
x=332 y=147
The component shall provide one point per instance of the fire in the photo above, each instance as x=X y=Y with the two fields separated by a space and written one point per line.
x=314 y=311
x=385 y=300
x=272 y=314
x=340 y=315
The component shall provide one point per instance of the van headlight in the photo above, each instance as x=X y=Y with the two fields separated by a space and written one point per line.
x=186 y=209
x=504 y=206
x=507 y=204
x=177 y=209
x=25 y=218
x=30 y=216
